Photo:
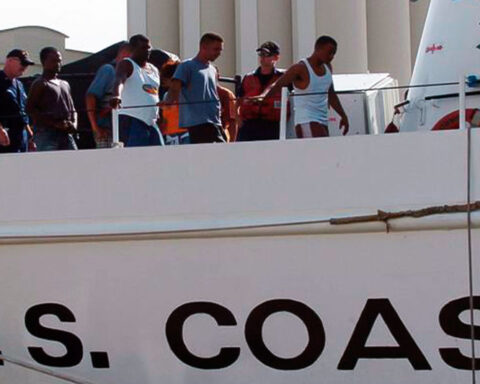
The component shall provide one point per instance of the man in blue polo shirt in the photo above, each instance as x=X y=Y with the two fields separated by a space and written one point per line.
x=194 y=85
x=98 y=99
x=15 y=131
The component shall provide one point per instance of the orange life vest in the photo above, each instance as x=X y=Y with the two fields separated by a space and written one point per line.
x=170 y=120
x=269 y=109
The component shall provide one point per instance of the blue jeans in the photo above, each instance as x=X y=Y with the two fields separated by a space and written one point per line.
x=53 y=140
x=135 y=133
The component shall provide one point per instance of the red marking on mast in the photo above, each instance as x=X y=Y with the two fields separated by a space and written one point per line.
x=433 y=48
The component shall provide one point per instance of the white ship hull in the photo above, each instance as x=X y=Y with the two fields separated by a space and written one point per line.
x=114 y=246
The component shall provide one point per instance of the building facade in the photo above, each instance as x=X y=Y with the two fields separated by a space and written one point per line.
x=373 y=35
x=33 y=39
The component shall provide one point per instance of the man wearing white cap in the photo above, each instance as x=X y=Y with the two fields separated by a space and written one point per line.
x=261 y=118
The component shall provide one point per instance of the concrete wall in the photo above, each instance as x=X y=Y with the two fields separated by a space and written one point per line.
x=137 y=12
x=332 y=18
x=163 y=24
x=219 y=16
x=373 y=35
x=70 y=55
x=33 y=39
x=275 y=23
x=388 y=32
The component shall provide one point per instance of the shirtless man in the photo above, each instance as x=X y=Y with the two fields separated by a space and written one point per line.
x=312 y=81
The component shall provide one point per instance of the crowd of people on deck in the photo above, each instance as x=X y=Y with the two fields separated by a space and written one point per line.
x=180 y=103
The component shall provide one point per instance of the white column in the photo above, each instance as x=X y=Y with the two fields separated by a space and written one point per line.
x=332 y=18
x=246 y=27
x=137 y=17
x=189 y=27
x=304 y=28
x=388 y=32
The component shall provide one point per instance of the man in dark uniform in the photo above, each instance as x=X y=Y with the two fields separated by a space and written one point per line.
x=260 y=119
x=15 y=131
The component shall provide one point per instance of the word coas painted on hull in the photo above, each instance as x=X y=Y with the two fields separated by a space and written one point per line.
x=358 y=347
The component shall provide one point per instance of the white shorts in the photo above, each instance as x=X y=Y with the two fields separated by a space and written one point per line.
x=306 y=128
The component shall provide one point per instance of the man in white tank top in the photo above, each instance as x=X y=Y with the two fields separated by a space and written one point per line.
x=314 y=93
x=137 y=83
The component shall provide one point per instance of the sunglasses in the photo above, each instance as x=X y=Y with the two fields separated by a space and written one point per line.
x=265 y=54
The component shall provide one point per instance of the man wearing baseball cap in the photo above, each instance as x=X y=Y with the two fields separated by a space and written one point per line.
x=15 y=131
x=260 y=120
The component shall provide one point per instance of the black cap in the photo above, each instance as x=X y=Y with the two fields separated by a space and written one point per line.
x=22 y=55
x=269 y=48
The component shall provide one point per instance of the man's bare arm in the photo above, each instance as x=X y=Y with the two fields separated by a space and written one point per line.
x=74 y=120
x=287 y=79
x=123 y=71
x=29 y=130
x=335 y=103
x=91 y=103
x=232 y=124
x=4 y=138
x=174 y=91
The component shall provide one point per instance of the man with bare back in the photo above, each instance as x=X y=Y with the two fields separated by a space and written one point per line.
x=313 y=84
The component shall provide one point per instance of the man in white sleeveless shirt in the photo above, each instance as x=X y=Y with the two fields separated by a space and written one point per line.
x=137 y=83
x=313 y=84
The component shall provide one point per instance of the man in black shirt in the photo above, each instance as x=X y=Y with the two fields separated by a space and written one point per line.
x=260 y=120
x=51 y=107
x=15 y=131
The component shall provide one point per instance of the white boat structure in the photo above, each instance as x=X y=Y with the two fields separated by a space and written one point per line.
x=449 y=50
x=341 y=260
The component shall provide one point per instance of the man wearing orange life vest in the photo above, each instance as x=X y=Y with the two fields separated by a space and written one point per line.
x=260 y=120
x=174 y=135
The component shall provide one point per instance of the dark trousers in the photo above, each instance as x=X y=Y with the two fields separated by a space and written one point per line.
x=258 y=130
x=18 y=141
x=135 y=133
x=53 y=140
x=206 y=133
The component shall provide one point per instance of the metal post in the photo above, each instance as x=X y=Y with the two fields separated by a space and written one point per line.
x=462 y=110
x=284 y=114
x=115 y=130
x=462 y=125
x=162 y=141
x=44 y=371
